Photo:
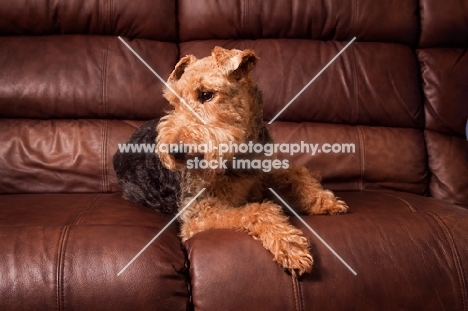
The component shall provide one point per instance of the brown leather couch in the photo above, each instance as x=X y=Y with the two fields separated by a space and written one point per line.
x=70 y=92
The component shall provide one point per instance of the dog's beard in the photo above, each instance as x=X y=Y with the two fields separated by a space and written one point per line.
x=195 y=141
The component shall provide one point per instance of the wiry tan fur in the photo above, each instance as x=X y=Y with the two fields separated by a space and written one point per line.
x=235 y=200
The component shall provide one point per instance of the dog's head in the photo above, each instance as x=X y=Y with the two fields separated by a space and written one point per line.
x=215 y=102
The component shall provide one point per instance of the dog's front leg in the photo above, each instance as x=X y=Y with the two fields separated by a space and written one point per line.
x=304 y=190
x=263 y=221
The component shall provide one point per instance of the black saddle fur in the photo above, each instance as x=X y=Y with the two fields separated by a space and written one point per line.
x=142 y=177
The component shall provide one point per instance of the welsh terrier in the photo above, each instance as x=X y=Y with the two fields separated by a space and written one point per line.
x=226 y=109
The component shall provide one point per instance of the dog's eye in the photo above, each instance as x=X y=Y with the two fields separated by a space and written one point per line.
x=206 y=96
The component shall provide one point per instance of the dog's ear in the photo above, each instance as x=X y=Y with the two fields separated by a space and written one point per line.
x=180 y=67
x=234 y=62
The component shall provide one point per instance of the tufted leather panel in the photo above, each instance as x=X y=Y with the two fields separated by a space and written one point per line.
x=67 y=87
x=60 y=155
x=82 y=77
x=387 y=21
x=445 y=84
x=363 y=166
x=363 y=86
x=68 y=258
x=448 y=162
x=444 y=70
x=143 y=19
x=76 y=155
x=443 y=23
x=382 y=238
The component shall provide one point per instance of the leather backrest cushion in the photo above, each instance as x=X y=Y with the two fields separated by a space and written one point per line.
x=369 y=84
x=76 y=155
x=445 y=85
x=82 y=77
x=39 y=156
x=373 y=86
x=404 y=110
x=444 y=23
x=369 y=20
x=151 y=19
x=448 y=163
x=382 y=157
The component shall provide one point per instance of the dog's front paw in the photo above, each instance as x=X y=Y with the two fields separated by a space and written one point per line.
x=326 y=203
x=338 y=207
x=294 y=256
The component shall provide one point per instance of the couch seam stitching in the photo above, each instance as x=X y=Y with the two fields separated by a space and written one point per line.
x=355 y=113
x=106 y=152
x=296 y=293
x=62 y=242
x=361 y=158
x=409 y=205
x=85 y=210
x=104 y=157
x=302 y=296
x=456 y=258
x=111 y=14
x=103 y=77
x=63 y=262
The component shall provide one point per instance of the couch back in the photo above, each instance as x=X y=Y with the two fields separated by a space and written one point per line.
x=70 y=91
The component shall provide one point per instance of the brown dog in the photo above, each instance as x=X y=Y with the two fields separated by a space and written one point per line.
x=217 y=103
